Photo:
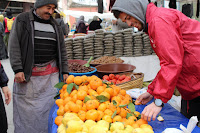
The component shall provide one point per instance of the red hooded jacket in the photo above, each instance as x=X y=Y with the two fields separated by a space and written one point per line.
x=176 y=40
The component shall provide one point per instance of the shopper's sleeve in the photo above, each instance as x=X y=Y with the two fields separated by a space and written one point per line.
x=169 y=49
x=3 y=77
x=14 y=46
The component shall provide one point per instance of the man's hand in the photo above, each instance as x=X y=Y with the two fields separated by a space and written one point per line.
x=19 y=77
x=65 y=76
x=7 y=94
x=150 y=111
x=144 y=98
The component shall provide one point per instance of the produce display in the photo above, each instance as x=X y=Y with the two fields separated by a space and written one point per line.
x=107 y=60
x=77 y=68
x=89 y=105
x=116 y=79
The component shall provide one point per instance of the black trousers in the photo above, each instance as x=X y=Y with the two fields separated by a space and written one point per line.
x=3 y=117
x=191 y=108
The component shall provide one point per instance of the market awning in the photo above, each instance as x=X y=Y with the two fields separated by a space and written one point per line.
x=28 y=1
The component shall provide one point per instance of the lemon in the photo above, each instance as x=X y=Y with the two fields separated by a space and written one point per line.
x=138 y=130
x=68 y=117
x=98 y=129
x=116 y=125
x=74 y=126
x=61 y=129
x=103 y=123
x=129 y=129
x=89 y=124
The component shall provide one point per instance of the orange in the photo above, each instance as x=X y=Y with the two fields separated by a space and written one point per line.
x=114 y=93
x=117 y=89
x=136 y=113
x=67 y=99
x=112 y=107
x=102 y=107
x=125 y=101
x=117 y=118
x=88 y=86
x=88 y=79
x=100 y=115
x=95 y=83
x=70 y=79
x=81 y=94
x=66 y=108
x=61 y=91
x=128 y=98
x=74 y=107
x=141 y=121
x=59 y=102
x=107 y=118
x=100 y=89
x=110 y=91
x=137 y=102
x=91 y=104
x=64 y=87
x=146 y=126
x=96 y=103
x=123 y=92
x=123 y=113
x=132 y=118
x=84 y=108
x=93 y=77
x=58 y=120
x=117 y=99
x=135 y=125
x=79 y=102
x=84 y=78
x=129 y=122
x=92 y=115
x=108 y=112
x=73 y=93
x=61 y=111
x=107 y=104
x=78 y=80
x=66 y=94
x=74 y=98
x=92 y=92
x=62 y=95
x=84 y=87
x=82 y=115
x=106 y=94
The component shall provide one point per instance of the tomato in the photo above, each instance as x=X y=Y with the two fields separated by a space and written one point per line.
x=122 y=77
x=118 y=82
x=106 y=77
x=114 y=81
x=128 y=78
x=117 y=76
x=111 y=76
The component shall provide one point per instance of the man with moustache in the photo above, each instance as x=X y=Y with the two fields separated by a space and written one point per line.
x=38 y=59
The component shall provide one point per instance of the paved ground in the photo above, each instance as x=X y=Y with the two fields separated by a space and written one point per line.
x=9 y=108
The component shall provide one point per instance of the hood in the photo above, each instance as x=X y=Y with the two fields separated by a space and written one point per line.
x=134 y=8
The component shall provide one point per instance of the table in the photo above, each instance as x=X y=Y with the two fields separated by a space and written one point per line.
x=172 y=117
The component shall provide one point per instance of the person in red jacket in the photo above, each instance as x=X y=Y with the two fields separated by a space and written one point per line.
x=175 y=39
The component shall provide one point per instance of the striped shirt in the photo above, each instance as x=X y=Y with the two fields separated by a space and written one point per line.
x=45 y=44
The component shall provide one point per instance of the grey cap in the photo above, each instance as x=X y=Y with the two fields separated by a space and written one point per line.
x=135 y=8
x=40 y=3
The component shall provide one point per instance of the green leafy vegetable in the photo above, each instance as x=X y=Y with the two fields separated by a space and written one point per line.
x=59 y=85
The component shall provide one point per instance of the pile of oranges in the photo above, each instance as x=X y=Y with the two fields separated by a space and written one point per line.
x=96 y=100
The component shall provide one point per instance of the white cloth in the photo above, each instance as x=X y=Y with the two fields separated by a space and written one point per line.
x=149 y=65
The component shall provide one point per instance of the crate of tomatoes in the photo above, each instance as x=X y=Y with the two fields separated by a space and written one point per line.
x=128 y=80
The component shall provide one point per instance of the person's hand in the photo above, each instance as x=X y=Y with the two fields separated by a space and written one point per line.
x=144 y=98
x=114 y=22
x=150 y=111
x=65 y=76
x=19 y=77
x=7 y=94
